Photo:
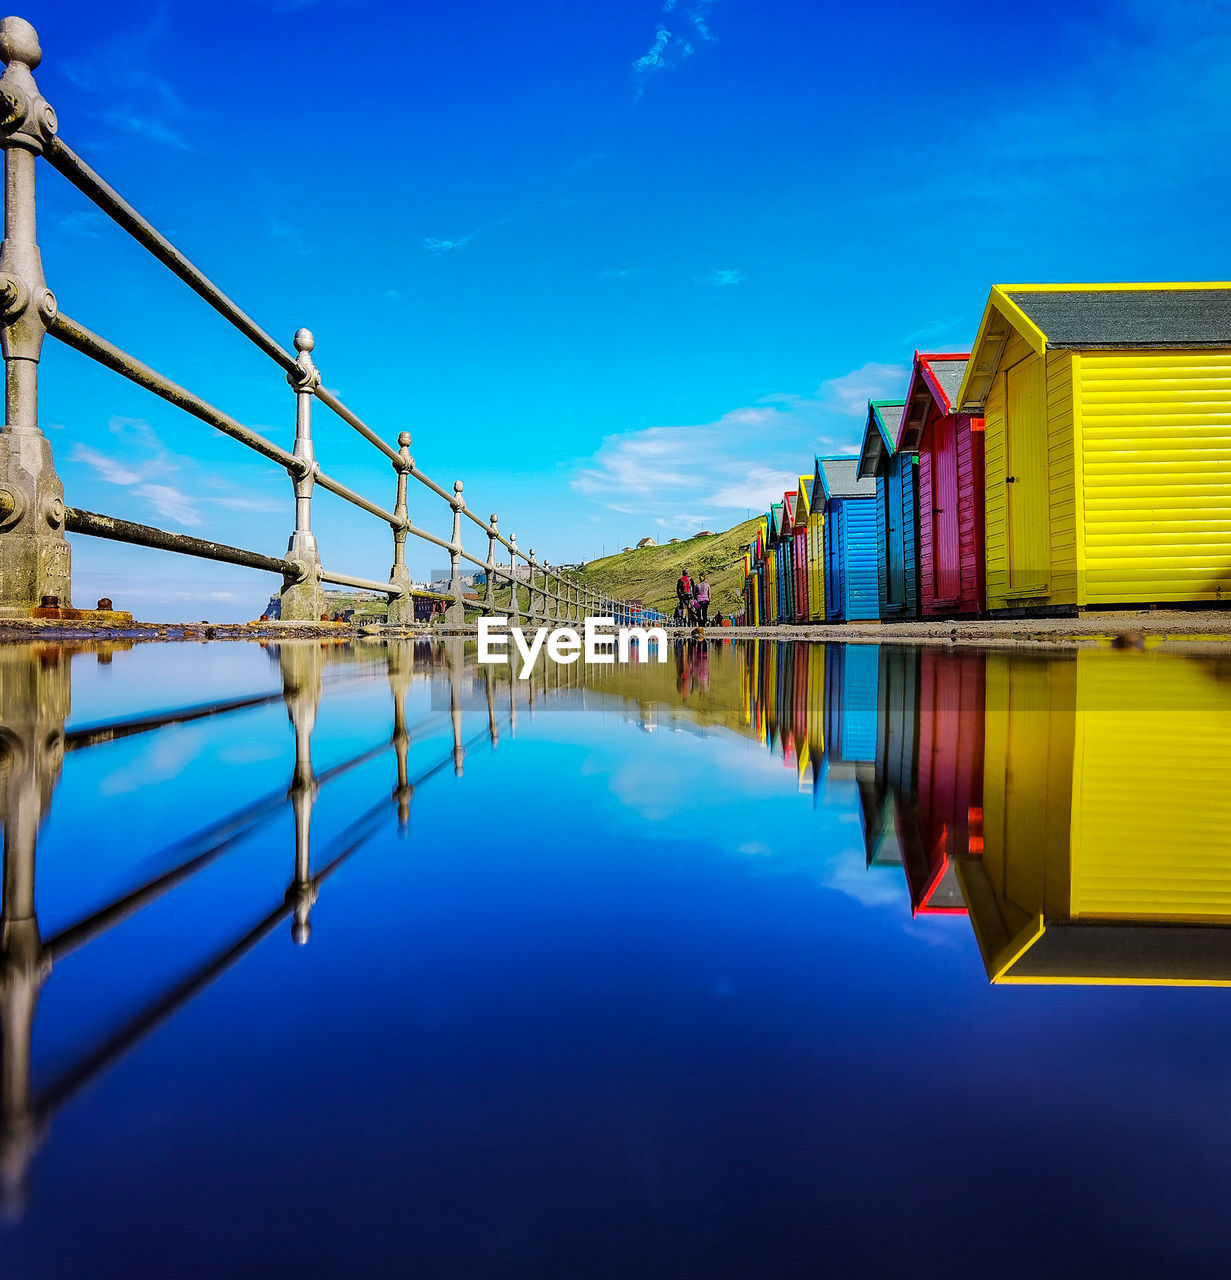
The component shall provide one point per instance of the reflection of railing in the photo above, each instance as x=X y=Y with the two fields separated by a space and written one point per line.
x=34 y=553
x=33 y=706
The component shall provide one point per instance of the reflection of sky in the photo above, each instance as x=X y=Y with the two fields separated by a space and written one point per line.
x=615 y=1005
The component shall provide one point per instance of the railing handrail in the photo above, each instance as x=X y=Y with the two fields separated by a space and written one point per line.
x=29 y=129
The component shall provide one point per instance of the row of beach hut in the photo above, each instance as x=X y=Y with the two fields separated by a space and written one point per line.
x=1078 y=456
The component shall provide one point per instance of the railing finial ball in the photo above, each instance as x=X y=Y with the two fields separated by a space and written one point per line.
x=457 y=486
x=404 y=439
x=304 y=341
x=19 y=42
x=495 y=518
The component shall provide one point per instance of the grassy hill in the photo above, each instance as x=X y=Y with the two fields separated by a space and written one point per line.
x=649 y=573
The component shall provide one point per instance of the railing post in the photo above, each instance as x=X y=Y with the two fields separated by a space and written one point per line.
x=303 y=598
x=402 y=606
x=549 y=593
x=533 y=612
x=34 y=553
x=455 y=613
x=401 y=667
x=489 y=569
x=301 y=692
x=514 y=602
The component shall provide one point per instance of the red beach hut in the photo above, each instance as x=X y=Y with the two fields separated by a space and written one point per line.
x=950 y=449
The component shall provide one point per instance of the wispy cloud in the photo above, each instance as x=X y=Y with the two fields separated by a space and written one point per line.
x=723 y=277
x=672 y=44
x=174 y=488
x=700 y=474
x=139 y=101
x=150 y=128
x=440 y=246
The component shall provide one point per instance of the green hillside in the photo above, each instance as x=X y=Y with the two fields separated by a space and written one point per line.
x=649 y=573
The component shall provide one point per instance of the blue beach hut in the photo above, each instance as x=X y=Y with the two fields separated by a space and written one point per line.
x=851 y=586
x=897 y=509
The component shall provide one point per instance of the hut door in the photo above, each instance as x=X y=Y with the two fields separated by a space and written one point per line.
x=946 y=551
x=834 y=586
x=1026 y=484
x=895 y=548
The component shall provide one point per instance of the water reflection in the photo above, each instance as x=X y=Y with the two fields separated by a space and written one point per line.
x=1076 y=805
x=34 y=706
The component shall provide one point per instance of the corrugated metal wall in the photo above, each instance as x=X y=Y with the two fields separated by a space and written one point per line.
x=1156 y=470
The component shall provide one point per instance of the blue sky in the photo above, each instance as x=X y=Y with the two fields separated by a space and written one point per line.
x=621 y=268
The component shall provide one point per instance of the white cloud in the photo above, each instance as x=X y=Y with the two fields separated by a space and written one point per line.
x=670 y=48
x=718 y=471
x=851 y=392
x=141 y=462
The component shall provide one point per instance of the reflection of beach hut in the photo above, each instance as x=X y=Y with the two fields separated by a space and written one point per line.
x=889 y=788
x=851 y=591
x=950 y=448
x=1106 y=813
x=852 y=673
x=896 y=475
x=1107 y=443
x=944 y=823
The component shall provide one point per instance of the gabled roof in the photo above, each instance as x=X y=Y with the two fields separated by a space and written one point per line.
x=816 y=498
x=803 y=502
x=1095 y=317
x=880 y=435
x=934 y=379
x=788 y=511
x=840 y=479
x=775 y=521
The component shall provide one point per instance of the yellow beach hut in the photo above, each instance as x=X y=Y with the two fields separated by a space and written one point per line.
x=1106 y=842
x=1108 y=444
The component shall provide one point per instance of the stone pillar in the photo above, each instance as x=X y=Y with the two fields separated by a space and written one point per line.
x=34 y=553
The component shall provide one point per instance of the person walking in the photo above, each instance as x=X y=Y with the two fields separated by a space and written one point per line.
x=702 y=601
x=683 y=592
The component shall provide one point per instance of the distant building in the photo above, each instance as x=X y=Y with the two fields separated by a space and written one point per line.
x=624 y=549
x=646 y=542
x=670 y=541
x=705 y=533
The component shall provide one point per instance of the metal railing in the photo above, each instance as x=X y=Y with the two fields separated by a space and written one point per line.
x=34 y=519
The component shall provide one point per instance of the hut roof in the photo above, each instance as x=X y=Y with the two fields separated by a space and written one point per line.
x=934 y=378
x=840 y=479
x=880 y=435
x=1095 y=316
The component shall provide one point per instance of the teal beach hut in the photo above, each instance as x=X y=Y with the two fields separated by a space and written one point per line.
x=851 y=587
x=897 y=510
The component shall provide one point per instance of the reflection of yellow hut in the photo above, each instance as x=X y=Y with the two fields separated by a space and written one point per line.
x=1106 y=821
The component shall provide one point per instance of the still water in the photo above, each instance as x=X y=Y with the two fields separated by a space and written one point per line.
x=777 y=960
